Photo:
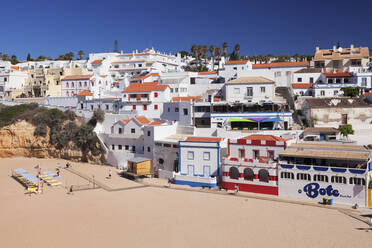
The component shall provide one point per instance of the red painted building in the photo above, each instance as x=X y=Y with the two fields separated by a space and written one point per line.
x=252 y=164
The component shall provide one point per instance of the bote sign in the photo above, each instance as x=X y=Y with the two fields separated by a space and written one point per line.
x=313 y=190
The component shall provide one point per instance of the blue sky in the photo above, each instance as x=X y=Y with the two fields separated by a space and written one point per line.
x=52 y=27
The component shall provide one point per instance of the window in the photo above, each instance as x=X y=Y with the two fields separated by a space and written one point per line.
x=303 y=176
x=206 y=156
x=175 y=146
x=263 y=175
x=161 y=161
x=364 y=82
x=176 y=90
x=176 y=110
x=249 y=91
x=338 y=179
x=120 y=130
x=236 y=91
x=107 y=107
x=167 y=145
x=192 y=80
x=322 y=93
x=321 y=178
x=133 y=148
x=344 y=119
x=234 y=173
x=235 y=68
x=79 y=84
x=190 y=155
x=126 y=147
x=133 y=130
x=311 y=80
x=144 y=107
x=155 y=106
x=66 y=84
x=287 y=175
x=278 y=74
x=148 y=133
x=171 y=90
x=155 y=94
x=113 y=147
x=183 y=89
x=241 y=153
x=85 y=84
x=134 y=107
x=139 y=65
x=263 y=89
x=120 y=147
x=357 y=181
x=148 y=149
x=299 y=80
x=248 y=174
x=185 y=111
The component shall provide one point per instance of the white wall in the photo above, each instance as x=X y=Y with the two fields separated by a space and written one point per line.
x=238 y=92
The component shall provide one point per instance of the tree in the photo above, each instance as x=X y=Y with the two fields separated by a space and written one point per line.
x=351 y=91
x=346 y=130
x=237 y=49
x=116 y=47
x=29 y=57
x=218 y=52
x=193 y=50
x=81 y=54
x=224 y=46
x=13 y=59
x=69 y=56
x=204 y=52
x=184 y=53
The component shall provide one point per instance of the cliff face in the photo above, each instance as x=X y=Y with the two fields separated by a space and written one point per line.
x=18 y=140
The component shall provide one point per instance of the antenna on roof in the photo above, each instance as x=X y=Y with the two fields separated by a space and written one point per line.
x=116 y=47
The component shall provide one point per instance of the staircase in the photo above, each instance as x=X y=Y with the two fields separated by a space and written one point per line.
x=287 y=94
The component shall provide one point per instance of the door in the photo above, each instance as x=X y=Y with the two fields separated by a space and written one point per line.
x=190 y=170
x=370 y=198
x=207 y=171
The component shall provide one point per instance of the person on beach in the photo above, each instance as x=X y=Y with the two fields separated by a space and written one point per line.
x=169 y=182
x=70 y=190
x=109 y=174
x=58 y=171
x=236 y=189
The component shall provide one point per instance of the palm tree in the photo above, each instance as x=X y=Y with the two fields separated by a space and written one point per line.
x=296 y=57
x=237 y=49
x=193 y=50
x=224 y=46
x=212 y=50
x=81 y=54
x=204 y=52
x=199 y=52
x=218 y=52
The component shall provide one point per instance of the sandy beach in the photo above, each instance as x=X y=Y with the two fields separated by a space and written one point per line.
x=137 y=216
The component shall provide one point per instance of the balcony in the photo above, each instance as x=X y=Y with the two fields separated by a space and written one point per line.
x=263 y=162
x=320 y=168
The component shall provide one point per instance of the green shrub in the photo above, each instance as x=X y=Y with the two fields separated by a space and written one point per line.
x=41 y=130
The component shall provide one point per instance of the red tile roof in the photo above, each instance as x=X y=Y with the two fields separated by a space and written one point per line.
x=263 y=137
x=302 y=85
x=125 y=121
x=235 y=62
x=14 y=67
x=77 y=77
x=186 y=98
x=207 y=72
x=85 y=93
x=142 y=120
x=204 y=139
x=128 y=61
x=96 y=62
x=145 y=87
x=281 y=64
x=336 y=74
x=156 y=123
x=147 y=76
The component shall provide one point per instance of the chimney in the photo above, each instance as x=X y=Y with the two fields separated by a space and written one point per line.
x=352 y=46
x=334 y=48
x=317 y=49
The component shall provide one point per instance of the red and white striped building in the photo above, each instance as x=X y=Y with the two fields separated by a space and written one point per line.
x=252 y=164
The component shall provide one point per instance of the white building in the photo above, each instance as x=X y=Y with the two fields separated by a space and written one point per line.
x=199 y=162
x=362 y=76
x=250 y=89
x=304 y=80
x=11 y=78
x=317 y=171
x=75 y=84
x=146 y=98
x=330 y=84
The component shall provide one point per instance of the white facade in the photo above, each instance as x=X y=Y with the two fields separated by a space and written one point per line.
x=11 y=79
x=199 y=163
x=253 y=92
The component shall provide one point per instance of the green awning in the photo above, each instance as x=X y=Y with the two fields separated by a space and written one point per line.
x=240 y=120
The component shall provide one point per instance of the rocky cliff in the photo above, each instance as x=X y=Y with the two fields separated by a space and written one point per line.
x=18 y=140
